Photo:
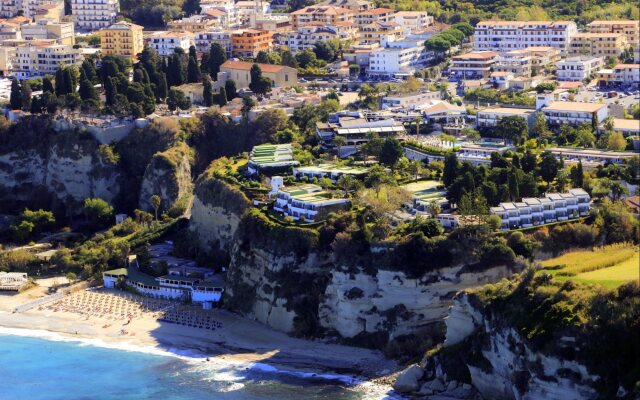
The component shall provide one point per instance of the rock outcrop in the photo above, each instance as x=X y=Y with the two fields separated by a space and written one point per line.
x=168 y=175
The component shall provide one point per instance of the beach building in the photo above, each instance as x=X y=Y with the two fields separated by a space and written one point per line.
x=502 y=36
x=271 y=157
x=309 y=203
x=331 y=171
x=13 y=281
x=543 y=210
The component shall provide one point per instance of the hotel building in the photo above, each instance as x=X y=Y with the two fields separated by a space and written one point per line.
x=36 y=59
x=502 y=36
x=92 y=15
x=308 y=203
x=397 y=59
x=122 y=39
x=598 y=44
x=543 y=210
x=578 y=68
x=592 y=157
x=333 y=172
x=412 y=21
x=489 y=117
x=306 y=37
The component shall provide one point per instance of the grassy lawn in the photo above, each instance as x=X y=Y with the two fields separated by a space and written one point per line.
x=609 y=266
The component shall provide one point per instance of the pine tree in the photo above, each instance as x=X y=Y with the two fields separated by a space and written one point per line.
x=230 y=88
x=15 y=99
x=288 y=59
x=193 y=70
x=222 y=97
x=263 y=57
x=207 y=92
x=217 y=56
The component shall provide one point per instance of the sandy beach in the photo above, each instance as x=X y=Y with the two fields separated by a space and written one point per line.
x=236 y=339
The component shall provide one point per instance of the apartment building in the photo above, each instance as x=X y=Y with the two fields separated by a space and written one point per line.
x=514 y=63
x=578 y=68
x=249 y=42
x=277 y=23
x=620 y=75
x=211 y=20
x=306 y=37
x=473 y=65
x=408 y=100
x=631 y=29
x=36 y=59
x=10 y=8
x=379 y=32
x=374 y=15
x=166 y=42
x=122 y=39
x=412 y=21
x=239 y=71
x=489 y=117
x=246 y=8
x=53 y=12
x=326 y=15
x=502 y=36
x=598 y=44
x=204 y=40
x=9 y=31
x=534 y=211
x=61 y=32
x=354 y=5
x=92 y=15
x=308 y=203
x=574 y=113
x=226 y=6
x=397 y=59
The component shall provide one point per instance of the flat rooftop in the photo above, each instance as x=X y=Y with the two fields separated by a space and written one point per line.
x=331 y=168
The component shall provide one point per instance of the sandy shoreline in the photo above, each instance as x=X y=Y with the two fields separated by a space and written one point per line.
x=238 y=341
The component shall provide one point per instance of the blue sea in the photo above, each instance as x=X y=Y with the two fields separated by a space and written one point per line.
x=50 y=367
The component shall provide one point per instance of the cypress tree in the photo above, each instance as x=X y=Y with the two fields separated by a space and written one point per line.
x=89 y=70
x=110 y=91
x=514 y=191
x=161 y=87
x=222 y=97
x=15 y=99
x=230 y=88
x=207 y=91
x=69 y=81
x=60 y=85
x=204 y=63
x=87 y=91
x=217 y=56
x=193 y=70
x=47 y=85
x=192 y=52
x=26 y=96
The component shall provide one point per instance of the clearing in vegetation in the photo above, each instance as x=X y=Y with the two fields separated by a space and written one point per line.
x=608 y=266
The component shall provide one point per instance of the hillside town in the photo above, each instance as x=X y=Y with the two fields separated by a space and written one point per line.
x=426 y=181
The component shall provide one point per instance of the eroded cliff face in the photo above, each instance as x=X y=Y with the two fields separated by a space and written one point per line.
x=70 y=170
x=168 y=175
x=506 y=367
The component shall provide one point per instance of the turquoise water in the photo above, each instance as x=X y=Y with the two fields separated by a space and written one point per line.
x=33 y=368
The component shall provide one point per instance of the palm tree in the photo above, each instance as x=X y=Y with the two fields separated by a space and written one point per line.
x=339 y=141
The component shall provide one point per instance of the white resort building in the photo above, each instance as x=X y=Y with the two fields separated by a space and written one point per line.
x=271 y=157
x=308 y=202
x=13 y=281
x=543 y=210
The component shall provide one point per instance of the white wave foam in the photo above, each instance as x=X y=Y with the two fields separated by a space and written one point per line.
x=220 y=369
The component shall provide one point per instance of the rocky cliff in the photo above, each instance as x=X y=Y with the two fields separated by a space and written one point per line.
x=168 y=175
x=69 y=169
